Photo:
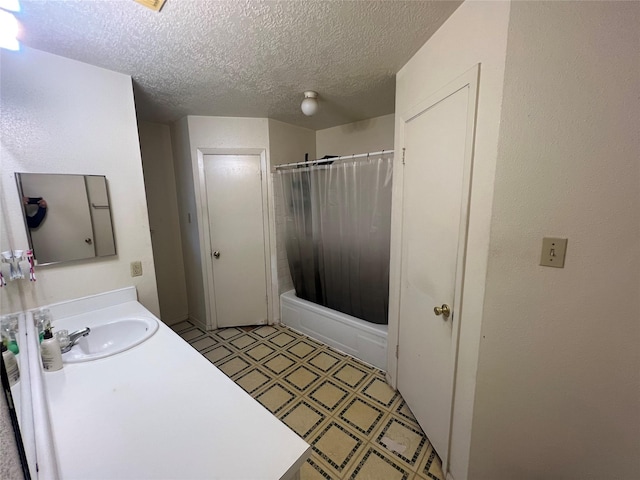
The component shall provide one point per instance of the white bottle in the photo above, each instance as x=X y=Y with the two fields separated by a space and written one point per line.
x=50 y=352
x=11 y=365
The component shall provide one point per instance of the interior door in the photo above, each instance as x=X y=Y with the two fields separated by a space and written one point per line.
x=236 y=228
x=438 y=141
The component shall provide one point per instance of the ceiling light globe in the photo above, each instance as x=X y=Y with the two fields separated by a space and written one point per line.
x=309 y=105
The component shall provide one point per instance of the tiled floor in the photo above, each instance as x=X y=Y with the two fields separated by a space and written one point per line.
x=358 y=426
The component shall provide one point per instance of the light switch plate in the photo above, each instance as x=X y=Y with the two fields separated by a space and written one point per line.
x=553 y=252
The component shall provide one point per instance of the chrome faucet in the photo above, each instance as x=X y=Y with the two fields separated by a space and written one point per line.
x=74 y=337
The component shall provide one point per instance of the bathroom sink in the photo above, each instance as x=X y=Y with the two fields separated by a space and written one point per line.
x=111 y=338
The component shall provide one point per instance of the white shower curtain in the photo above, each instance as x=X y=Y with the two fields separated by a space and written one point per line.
x=338 y=225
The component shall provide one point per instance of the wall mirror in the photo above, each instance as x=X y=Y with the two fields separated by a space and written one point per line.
x=67 y=217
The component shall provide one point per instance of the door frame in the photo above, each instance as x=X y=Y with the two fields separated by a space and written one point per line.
x=205 y=237
x=470 y=79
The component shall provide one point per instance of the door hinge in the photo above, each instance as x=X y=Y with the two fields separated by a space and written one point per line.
x=404 y=150
x=397 y=351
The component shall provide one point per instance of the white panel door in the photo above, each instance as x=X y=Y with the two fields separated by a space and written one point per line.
x=236 y=228
x=438 y=142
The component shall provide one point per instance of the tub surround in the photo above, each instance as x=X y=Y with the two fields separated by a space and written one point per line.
x=363 y=340
x=158 y=410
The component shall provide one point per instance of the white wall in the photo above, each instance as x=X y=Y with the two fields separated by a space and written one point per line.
x=371 y=135
x=475 y=33
x=191 y=136
x=287 y=144
x=63 y=116
x=162 y=203
x=559 y=369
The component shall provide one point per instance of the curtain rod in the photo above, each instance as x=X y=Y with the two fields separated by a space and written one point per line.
x=333 y=159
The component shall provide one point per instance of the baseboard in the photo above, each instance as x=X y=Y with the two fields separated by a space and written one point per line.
x=173 y=321
x=197 y=322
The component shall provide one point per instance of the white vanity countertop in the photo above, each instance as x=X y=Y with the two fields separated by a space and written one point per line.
x=161 y=410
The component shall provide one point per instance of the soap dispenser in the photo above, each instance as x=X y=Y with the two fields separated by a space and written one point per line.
x=11 y=364
x=50 y=352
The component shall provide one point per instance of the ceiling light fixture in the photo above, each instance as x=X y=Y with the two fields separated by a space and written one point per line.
x=310 y=103
x=155 y=5
x=12 y=5
x=9 y=30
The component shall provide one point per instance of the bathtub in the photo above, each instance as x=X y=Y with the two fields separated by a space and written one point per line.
x=363 y=340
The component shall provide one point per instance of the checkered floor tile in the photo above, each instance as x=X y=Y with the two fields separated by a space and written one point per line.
x=358 y=426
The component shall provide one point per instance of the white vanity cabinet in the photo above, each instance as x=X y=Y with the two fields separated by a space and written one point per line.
x=158 y=410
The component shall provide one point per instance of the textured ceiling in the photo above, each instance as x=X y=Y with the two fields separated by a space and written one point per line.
x=243 y=57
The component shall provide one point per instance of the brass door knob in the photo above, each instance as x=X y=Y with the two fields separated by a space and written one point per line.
x=216 y=254
x=444 y=310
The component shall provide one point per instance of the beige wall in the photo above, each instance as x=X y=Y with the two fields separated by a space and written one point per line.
x=162 y=203
x=63 y=116
x=188 y=220
x=475 y=33
x=559 y=369
x=371 y=135
x=289 y=143
x=191 y=136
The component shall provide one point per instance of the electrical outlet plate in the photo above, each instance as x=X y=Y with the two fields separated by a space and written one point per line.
x=553 y=252
x=136 y=269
